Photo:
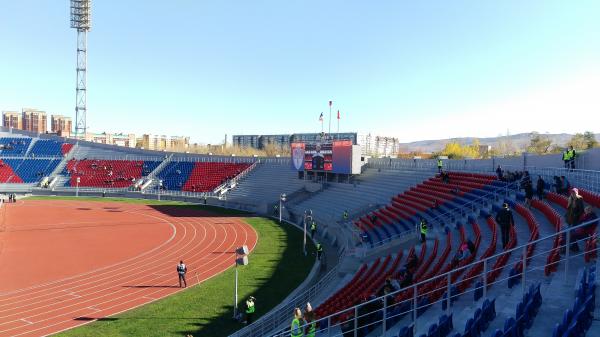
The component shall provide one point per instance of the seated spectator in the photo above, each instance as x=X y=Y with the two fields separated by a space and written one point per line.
x=406 y=279
x=587 y=230
x=557 y=184
x=445 y=177
x=412 y=263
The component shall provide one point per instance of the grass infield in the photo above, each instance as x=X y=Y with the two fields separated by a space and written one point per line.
x=277 y=266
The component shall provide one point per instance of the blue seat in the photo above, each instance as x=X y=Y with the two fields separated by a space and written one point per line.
x=498 y=333
x=510 y=327
x=403 y=332
x=558 y=330
x=433 y=331
x=571 y=331
x=443 y=326
x=567 y=316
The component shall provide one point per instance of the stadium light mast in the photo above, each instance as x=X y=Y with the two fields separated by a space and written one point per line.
x=81 y=15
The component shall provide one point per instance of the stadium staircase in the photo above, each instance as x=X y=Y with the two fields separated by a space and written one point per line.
x=265 y=183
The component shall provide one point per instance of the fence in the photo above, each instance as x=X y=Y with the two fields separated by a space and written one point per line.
x=382 y=313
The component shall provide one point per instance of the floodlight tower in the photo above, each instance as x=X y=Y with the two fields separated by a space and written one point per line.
x=81 y=19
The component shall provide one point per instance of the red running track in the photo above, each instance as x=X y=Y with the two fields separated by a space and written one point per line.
x=66 y=263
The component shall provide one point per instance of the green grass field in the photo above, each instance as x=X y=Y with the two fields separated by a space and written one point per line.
x=277 y=266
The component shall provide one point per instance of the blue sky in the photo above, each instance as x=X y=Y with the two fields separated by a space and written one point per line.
x=414 y=70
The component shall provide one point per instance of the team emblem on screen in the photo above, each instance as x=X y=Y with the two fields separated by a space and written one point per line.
x=298 y=157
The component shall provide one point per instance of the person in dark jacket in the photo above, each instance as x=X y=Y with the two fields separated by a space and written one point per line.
x=575 y=208
x=585 y=231
x=540 y=185
x=505 y=220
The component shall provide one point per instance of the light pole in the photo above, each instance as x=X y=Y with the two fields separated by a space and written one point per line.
x=160 y=186
x=241 y=259
x=307 y=219
x=281 y=201
x=77 y=189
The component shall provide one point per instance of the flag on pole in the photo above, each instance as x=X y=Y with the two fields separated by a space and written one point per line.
x=330 y=103
x=321 y=117
x=338 y=114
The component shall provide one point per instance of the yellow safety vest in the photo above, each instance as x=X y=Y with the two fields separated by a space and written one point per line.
x=439 y=163
x=295 y=330
x=313 y=226
x=319 y=247
x=571 y=154
x=250 y=307
x=423 y=229
x=312 y=329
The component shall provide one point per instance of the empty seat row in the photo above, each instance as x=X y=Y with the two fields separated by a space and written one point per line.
x=49 y=148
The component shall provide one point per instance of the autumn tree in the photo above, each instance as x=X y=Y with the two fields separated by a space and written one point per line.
x=539 y=144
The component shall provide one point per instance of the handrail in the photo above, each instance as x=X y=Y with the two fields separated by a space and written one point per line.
x=457 y=271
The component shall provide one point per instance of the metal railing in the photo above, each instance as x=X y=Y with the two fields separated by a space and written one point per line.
x=278 y=316
x=404 y=306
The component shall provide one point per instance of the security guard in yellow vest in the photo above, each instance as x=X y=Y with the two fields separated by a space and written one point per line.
x=319 y=251
x=309 y=316
x=571 y=154
x=313 y=229
x=295 y=330
x=423 y=226
x=565 y=158
x=250 y=309
x=439 y=165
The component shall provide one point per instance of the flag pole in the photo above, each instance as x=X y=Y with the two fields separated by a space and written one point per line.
x=338 y=118
x=321 y=122
x=330 y=102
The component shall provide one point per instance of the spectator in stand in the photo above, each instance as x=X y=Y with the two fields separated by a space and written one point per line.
x=566 y=185
x=406 y=278
x=528 y=193
x=445 y=177
x=412 y=263
x=313 y=229
x=540 y=185
x=439 y=165
x=575 y=208
x=499 y=173
x=505 y=220
x=557 y=184
x=435 y=204
x=587 y=230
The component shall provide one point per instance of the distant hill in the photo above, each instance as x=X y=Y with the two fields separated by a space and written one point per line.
x=520 y=141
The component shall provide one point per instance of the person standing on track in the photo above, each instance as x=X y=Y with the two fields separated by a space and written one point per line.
x=181 y=270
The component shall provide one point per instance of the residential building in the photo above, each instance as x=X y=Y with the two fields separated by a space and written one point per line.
x=12 y=119
x=378 y=146
x=61 y=125
x=34 y=121
x=163 y=142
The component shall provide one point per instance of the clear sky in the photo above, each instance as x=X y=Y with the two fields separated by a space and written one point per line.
x=410 y=69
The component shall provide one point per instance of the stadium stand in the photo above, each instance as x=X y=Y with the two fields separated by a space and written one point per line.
x=107 y=173
x=14 y=146
x=49 y=148
x=494 y=291
x=7 y=174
